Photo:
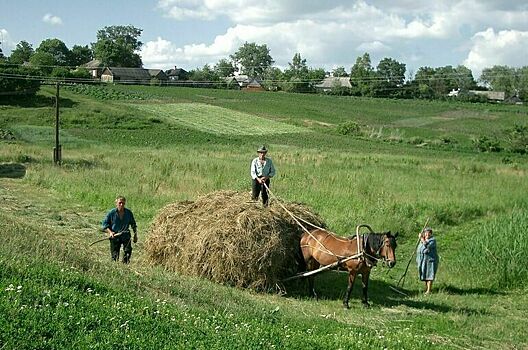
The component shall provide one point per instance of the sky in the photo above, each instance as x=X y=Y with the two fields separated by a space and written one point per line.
x=327 y=33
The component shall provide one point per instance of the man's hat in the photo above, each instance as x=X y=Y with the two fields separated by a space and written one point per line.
x=262 y=149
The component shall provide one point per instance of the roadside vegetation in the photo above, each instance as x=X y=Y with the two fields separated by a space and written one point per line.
x=391 y=164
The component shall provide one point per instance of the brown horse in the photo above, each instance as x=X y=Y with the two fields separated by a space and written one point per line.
x=320 y=247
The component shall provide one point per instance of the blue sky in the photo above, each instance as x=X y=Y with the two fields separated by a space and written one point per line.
x=328 y=34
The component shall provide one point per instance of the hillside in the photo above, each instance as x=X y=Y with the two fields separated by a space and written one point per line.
x=389 y=163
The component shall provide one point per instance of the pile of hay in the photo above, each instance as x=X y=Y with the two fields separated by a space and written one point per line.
x=229 y=239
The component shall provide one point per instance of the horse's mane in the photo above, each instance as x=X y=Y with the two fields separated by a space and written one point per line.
x=374 y=241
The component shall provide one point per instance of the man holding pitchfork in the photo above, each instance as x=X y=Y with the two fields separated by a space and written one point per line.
x=116 y=224
x=261 y=170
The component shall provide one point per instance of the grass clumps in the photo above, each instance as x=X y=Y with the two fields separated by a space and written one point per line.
x=497 y=250
x=229 y=239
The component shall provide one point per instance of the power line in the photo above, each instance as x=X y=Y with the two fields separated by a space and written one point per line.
x=210 y=82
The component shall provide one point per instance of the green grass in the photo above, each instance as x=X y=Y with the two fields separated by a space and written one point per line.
x=218 y=120
x=179 y=144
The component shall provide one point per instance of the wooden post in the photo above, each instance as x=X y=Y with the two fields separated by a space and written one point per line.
x=57 y=152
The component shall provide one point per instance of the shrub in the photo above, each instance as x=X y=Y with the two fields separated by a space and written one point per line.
x=349 y=128
x=518 y=139
x=416 y=140
x=485 y=144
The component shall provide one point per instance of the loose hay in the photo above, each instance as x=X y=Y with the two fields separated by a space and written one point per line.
x=229 y=239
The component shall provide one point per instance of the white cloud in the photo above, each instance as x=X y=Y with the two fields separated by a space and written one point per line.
x=51 y=19
x=327 y=33
x=6 y=43
x=374 y=46
x=506 y=47
x=156 y=54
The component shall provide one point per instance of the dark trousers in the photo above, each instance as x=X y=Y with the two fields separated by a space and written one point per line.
x=257 y=188
x=115 y=247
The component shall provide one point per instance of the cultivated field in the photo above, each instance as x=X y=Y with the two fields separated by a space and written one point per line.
x=388 y=163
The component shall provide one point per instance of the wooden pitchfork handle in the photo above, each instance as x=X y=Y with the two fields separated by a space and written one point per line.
x=402 y=278
x=106 y=238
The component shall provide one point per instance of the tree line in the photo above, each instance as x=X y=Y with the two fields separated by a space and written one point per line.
x=118 y=46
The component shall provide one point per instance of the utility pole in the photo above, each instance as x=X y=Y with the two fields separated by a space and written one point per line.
x=57 y=152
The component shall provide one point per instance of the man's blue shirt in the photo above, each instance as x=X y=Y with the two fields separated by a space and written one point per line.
x=116 y=224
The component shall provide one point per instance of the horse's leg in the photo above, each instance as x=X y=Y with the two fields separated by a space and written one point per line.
x=351 y=279
x=312 y=264
x=365 y=282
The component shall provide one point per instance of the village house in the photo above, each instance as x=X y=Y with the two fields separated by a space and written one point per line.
x=497 y=96
x=125 y=75
x=329 y=83
x=158 y=76
x=95 y=67
x=243 y=81
x=177 y=74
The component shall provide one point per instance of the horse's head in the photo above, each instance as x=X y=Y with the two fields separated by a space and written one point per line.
x=386 y=248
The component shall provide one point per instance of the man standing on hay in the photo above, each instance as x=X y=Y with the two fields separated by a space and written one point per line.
x=116 y=224
x=262 y=170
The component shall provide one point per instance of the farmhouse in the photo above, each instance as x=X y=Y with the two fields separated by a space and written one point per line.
x=95 y=67
x=254 y=85
x=498 y=96
x=177 y=74
x=330 y=83
x=126 y=75
x=159 y=75
x=245 y=82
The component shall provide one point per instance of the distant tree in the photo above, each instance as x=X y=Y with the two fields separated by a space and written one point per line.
x=22 y=53
x=81 y=73
x=224 y=68
x=362 y=76
x=60 y=72
x=252 y=59
x=57 y=49
x=44 y=62
x=272 y=78
x=423 y=81
x=499 y=78
x=316 y=74
x=391 y=76
x=464 y=78
x=522 y=76
x=204 y=74
x=438 y=82
x=297 y=68
x=26 y=84
x=2 y=57
x=296 y=76
x=117 y=46
x=339 y=72
x=80 y=55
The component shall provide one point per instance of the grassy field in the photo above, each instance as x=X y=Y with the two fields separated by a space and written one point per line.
x=411 y=161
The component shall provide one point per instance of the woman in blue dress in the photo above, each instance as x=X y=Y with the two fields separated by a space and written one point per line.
x=427 y=258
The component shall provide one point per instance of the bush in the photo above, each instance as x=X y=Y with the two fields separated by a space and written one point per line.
x=485 y=144
x=518 y=139
x=25 y=85
x=349 y=128
x=416 y=140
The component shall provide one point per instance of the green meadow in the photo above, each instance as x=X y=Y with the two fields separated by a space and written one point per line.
x=392 y=164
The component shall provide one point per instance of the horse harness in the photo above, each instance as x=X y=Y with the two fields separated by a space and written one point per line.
x=362 y=255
